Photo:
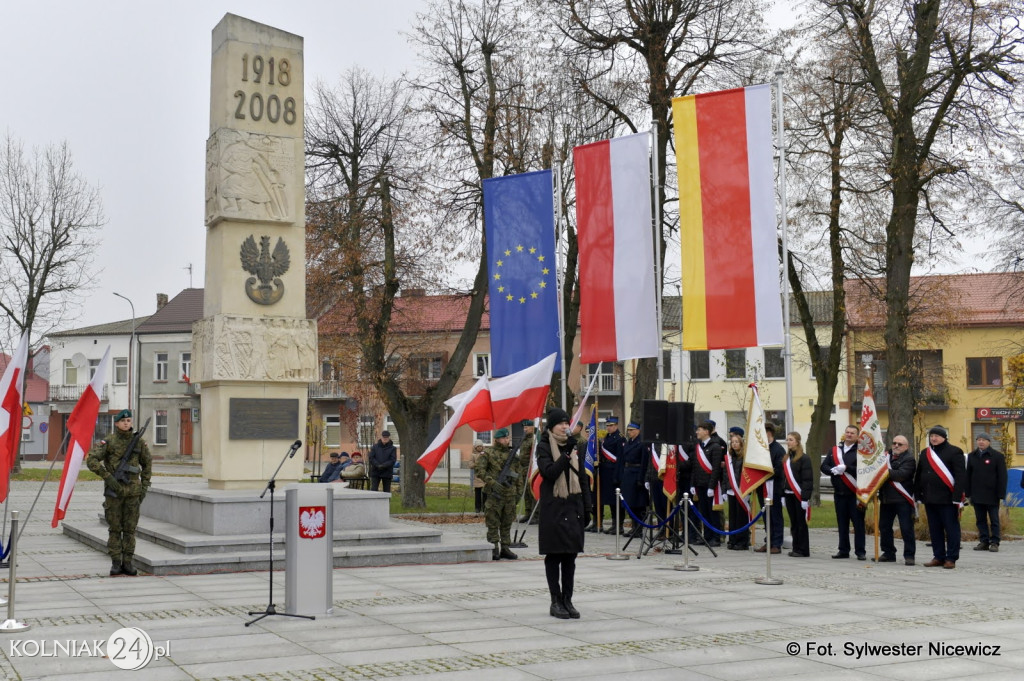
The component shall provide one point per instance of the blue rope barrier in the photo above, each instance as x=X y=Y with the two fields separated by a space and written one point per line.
x=728 y=532
x=10 y=541
x=660 y=525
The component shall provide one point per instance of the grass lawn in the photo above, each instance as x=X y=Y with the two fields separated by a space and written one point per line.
x=438 y=499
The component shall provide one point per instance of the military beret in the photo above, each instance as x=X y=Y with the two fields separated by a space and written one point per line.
x=736 y=430
x=123 y=414
x=500 y=433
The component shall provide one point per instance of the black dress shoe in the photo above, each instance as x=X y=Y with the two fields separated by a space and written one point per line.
x=887 y=559
x=862 y=556
x=797 y=554
x=840 y=555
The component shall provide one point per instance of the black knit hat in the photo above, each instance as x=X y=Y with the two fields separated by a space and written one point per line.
x=556 y=416
x=940 y=431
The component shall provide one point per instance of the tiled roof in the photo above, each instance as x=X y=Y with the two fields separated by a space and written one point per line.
x=37 y=388
x=178 y=315
x=411 y=314
x=988 y=299
x=123 y=327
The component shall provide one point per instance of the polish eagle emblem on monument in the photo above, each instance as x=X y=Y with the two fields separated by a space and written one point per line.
x=264 y=287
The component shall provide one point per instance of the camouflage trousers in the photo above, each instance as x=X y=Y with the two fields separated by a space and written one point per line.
x=499 y=513
x=122 y=516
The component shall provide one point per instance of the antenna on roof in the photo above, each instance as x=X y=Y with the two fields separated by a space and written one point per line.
x=189 y=268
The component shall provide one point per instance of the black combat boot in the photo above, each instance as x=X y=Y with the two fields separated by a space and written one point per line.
x=507 y=554
x=127 y=568
x=115 y=568
x=496 y=552
x=558 y=609
x=567 y=604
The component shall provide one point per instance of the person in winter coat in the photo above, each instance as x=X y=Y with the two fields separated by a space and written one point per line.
x=564 y=510
x=939 y=484
x=383 y=456
x=798 y=486
x=986 y=487
x=739 y=514
x=896 y=497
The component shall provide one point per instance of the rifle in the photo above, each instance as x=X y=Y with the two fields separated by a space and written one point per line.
x=506 y=476
x=123 y=470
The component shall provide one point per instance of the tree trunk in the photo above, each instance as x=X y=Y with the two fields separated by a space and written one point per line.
x=899 y=259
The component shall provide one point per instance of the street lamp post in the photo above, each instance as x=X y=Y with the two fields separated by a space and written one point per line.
x=131 y=362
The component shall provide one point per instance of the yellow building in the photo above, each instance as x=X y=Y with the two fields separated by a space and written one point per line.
x=964 y=329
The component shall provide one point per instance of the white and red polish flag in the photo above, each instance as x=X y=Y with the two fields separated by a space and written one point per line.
x=81 y=427
x=11 y=412
x=618 y=318
x=493 y=404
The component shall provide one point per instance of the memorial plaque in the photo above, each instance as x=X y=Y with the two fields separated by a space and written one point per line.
x=263 y=419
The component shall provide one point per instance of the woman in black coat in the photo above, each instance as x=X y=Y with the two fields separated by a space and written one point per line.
x=564 y=510
x=798 y=478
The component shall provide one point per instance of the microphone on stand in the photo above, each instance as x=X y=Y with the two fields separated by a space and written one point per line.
x=294 y=448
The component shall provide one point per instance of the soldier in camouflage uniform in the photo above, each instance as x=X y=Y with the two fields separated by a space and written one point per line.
x=526 y=450
x=500 y=507
x=122 y=511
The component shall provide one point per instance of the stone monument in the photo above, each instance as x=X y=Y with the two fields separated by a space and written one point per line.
x=254 y=351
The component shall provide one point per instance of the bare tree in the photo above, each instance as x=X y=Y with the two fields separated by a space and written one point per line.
x=662 y=49
x=49 y=220
x=932 y=68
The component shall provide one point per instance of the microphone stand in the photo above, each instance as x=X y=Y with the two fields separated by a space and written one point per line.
x=271 y=609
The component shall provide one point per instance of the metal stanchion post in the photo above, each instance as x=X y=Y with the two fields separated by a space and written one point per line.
x=686 y=567
x=11 y=624
x=768 y=579
x=618 y=555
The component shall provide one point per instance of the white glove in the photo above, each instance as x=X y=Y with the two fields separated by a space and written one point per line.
x=711 y=493
x=839 y=470
x=805 y=505
x=693 y=491
x=731 y=493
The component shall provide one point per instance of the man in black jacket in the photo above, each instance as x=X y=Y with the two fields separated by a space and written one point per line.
x=841 y=464
x=705 y=475
x=777 y=484
x=986 y=487
x=939 y=483
x=383 y=456
x=897 y=501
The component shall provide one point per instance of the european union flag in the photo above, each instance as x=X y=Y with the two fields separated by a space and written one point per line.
x=519 y=218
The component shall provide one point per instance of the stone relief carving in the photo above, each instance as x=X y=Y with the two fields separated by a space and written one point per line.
x=266 y=268
x=246 y=176
x=256 y=349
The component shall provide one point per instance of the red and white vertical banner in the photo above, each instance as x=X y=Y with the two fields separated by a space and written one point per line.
x=618 y=318
x=11 y=392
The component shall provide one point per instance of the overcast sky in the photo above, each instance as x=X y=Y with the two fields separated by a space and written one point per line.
x=128 y=86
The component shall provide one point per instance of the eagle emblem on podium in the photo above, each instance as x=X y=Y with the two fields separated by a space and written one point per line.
x=265 y=286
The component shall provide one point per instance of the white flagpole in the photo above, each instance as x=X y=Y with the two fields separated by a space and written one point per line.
x=656 y=221
x=561 y=275
x=787 y=351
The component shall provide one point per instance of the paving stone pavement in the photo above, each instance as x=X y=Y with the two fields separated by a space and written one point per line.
x=642 y=619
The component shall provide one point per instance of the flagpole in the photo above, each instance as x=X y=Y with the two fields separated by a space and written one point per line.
x=561 y=276
x=656 y=220
x=787 y=351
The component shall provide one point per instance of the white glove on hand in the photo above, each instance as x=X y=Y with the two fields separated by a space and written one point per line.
x=839 y=470
x=711 y=493
x=805 y=505
x=731 y=493
x=693 y=491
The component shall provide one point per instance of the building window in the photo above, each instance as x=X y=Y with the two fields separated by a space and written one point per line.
x=94 y=364
x=104 y=426
x=160 y=427
x=984 y=372
x=160 y=366
x=774 y=367
x=1020 y=437
x=367 y=431
x=185 y=367
x=427 y=368
x=666 y=365
x=484 y=437
x=700 y=417
x=332 y=431
x=482 y=364
x=389 y=426
x=120 y=371
x=700 y=365
x=70 y=373
x=736 y=363
x=733 y=419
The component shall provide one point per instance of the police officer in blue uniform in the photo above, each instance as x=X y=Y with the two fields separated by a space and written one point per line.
x=608 y=472
x=631 y=474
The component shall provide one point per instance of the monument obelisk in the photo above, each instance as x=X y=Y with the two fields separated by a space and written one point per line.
x=254 y=351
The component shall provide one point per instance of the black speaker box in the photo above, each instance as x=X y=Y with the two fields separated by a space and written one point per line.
x=680 y=423
x=655 y=421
